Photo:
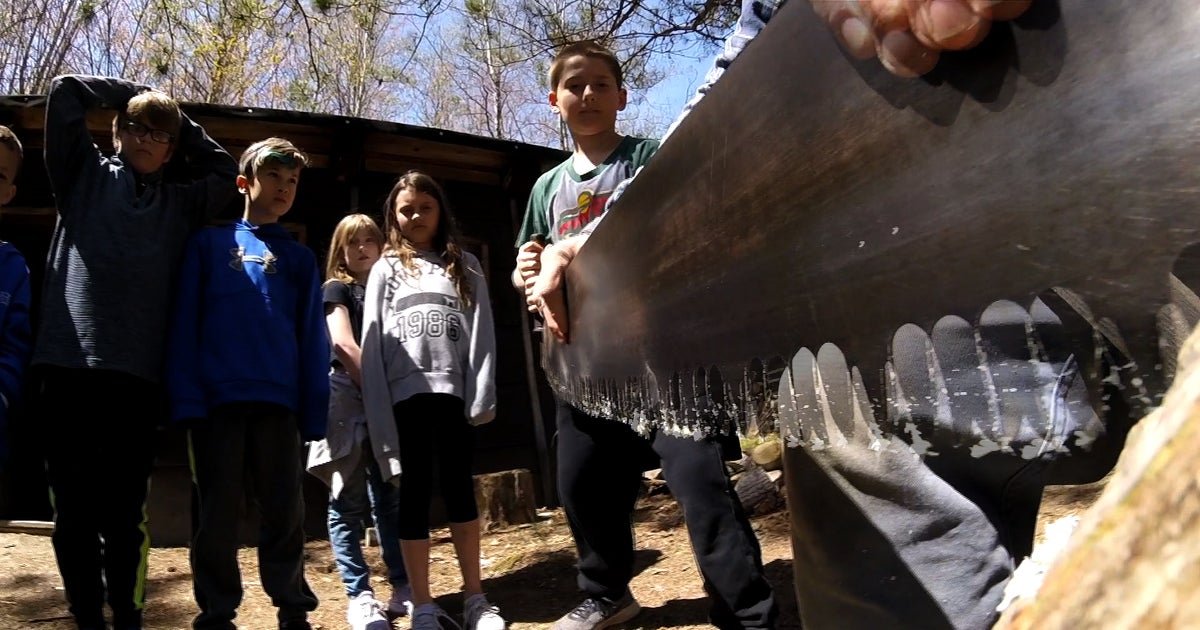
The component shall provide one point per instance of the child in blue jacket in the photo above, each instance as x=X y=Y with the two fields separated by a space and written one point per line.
x=247 y=370
x=16 y=338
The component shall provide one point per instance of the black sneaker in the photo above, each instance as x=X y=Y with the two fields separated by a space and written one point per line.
x=595 y=613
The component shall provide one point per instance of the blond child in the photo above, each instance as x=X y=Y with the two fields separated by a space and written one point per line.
x=356 y=460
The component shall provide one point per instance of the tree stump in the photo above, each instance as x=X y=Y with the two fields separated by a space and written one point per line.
x=757 y=491
x=505 y=498
x=769 y=455
x=1134 y=559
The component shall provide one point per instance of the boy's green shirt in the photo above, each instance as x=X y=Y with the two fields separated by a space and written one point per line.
x=563 y=201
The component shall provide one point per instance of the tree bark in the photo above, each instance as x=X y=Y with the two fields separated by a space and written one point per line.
x=757 y=491
x=1134 y=559
x=505 y=498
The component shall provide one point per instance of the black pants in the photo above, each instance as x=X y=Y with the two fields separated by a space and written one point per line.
x=599 y=472
x=100 y=436
x=255 y=447
x=433 y=430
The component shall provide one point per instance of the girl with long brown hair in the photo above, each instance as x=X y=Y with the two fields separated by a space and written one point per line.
x=428 y=365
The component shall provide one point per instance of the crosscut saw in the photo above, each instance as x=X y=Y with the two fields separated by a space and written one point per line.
x=813 y=210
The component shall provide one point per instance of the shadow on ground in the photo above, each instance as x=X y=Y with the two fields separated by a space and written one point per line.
x=33 y=598
x=169 y=612
x=546 y=577
x=779 y=574
x=37 y=601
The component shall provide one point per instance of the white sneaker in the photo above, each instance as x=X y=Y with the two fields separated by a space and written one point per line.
x=480 y=614
x=400 y=605
x=432 y=617
x=366 y=613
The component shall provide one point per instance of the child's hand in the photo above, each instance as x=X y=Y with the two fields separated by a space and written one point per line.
x=546 y=293
x=908 y=35
x=553 y=308
x=529 y=263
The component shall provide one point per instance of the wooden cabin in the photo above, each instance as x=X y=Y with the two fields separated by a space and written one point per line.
x=354 y=163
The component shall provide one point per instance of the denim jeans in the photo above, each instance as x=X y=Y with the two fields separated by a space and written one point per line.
x=365 y=494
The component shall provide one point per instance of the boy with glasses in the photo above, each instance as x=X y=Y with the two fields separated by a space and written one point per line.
x=102 y=331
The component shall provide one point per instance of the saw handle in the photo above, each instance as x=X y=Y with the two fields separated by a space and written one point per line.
x=538 y=322
x=555 y=302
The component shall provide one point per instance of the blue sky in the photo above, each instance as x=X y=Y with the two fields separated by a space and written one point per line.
x=664 y=100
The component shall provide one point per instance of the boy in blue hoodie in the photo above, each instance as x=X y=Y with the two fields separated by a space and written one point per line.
x=247 y=371
x=16 y=338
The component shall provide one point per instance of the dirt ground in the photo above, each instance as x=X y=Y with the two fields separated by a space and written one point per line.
x=528 y=572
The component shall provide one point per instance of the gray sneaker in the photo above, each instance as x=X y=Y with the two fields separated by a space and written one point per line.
x=595 y=613
x=432 y=617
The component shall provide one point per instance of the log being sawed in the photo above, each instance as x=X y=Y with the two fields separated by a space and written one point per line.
x=1134 y=559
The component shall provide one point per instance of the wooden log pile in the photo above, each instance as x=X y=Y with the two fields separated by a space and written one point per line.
x=758 y=478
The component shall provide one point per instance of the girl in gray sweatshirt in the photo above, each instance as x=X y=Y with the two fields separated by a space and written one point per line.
x=428 y=361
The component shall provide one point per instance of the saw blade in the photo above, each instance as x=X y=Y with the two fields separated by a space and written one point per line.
x=812 y=200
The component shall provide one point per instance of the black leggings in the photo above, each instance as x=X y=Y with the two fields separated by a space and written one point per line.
x=433 y=429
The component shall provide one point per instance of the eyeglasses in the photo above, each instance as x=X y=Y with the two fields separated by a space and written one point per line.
x=140 y=131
